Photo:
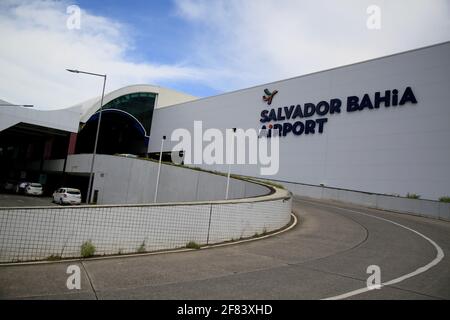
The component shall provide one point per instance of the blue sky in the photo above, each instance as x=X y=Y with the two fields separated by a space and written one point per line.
x=141 y=16
x=158 y=33
x=200 y=47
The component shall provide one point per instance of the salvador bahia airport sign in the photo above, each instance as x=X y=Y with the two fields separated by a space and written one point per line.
x=289 y=119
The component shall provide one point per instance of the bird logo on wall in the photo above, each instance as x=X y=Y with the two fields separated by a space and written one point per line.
x=269 y=96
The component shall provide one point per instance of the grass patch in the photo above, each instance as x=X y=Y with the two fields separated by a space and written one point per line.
x=257 y=234
x=444 y=199
x=273 y=184
x=87 y=249
x=141 y=248
x=219 y=173
x=192 y=245
x=53 y=257
x=258 y=180
x=412 y=196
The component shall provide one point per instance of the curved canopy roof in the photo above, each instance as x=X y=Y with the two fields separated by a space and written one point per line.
x=68 y=119
x=165 y=97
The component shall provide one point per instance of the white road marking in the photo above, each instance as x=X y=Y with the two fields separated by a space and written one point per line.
x=435 y=261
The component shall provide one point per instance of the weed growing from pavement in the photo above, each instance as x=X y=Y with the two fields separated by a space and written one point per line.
x=192 y=245
x=53 y=258
x=141 y=248
x=87 y=249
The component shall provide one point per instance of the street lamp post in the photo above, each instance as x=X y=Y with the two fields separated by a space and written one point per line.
x=228 y=176
x=228 y=182
x=159 y=169
x=91 y=173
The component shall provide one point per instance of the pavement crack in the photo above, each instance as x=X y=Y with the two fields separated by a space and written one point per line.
x=90 y=280
x=415 y=292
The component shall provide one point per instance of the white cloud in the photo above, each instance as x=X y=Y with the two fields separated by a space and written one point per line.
x=36 y=47
x=256 y=41
x=233 y=44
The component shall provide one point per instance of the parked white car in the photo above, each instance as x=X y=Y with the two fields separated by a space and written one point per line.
x=67 y=196
x=34 y=189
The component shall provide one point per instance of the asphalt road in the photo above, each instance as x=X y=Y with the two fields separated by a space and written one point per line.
x=326 y=255
x=19 y=200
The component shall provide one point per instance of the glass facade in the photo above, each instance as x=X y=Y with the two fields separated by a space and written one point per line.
x=140 y=105
x=125 y=127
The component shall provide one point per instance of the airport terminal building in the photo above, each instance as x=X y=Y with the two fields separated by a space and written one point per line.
x=380 y=126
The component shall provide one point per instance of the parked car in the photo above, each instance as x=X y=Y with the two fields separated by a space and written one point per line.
x=34 y=189
x=9 y=186
x=67 y=196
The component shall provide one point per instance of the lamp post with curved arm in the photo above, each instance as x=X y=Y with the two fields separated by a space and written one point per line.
x=91 y=173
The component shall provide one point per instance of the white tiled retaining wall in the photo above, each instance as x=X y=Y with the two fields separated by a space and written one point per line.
x=121 y=180
x=425 y=208
x=37 y=233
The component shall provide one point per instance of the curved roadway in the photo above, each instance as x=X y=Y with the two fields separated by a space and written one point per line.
x=325 y=256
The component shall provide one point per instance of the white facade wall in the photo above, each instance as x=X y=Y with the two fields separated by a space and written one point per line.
x=392 y=150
